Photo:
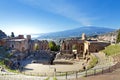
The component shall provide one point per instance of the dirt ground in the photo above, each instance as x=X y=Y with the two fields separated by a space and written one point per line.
x=60 y=67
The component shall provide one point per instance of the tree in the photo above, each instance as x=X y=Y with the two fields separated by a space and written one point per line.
x=12 y=34
x=53 y=46
x=74 y=47
x=118 y=37
x=58 y=47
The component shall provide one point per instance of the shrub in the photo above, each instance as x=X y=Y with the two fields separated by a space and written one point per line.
x=92 y=62
x=118 y=37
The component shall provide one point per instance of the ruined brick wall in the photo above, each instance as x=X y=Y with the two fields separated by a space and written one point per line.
x=42 y=45
x=20 y=45
x=96 y=47
x=66 y=46
x=84 y=47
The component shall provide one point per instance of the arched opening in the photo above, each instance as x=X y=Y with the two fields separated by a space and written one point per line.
x=12 y=46
x=74 y=47
x=74 y=50
x=96 y=50
x=81 y=48
x=36 y=47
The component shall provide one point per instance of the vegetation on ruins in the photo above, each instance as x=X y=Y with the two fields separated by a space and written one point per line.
x=47 y=78
x=74 y=47
x=1 y=62
x=54 y=78
x=53 y=46
x=2 y=34
x=4 y=53
x=112 y=50
x=4 y=58
x=118 y=37
x=92 y=62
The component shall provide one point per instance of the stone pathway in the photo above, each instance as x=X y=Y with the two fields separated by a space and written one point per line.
x=103 y=61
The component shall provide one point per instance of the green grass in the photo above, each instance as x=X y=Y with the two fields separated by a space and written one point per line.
x=7 y=68
x=14 y=71
x=112 y=50
x=47 y=78
x=92 y=62
x=1 y=62
x=4 y=57
x=54 y=78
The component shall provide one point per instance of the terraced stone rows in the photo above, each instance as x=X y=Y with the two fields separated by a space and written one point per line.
x=116 y=58
x=23 y=77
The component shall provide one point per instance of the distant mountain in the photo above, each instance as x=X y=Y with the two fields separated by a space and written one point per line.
x=2 y=34
x=88 y=30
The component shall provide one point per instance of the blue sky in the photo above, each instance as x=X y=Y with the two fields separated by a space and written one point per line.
x=43 y=16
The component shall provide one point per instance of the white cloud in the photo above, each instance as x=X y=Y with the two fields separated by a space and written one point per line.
x=62 y=8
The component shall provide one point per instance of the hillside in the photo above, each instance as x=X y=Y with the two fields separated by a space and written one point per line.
x=2 y=34
x=89 y=31
x=112 y=50
x=110 y=36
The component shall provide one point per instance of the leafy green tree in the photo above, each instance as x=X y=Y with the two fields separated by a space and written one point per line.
x=57 y=47
x=118 y=36
x=12 y=34
x=53 y=46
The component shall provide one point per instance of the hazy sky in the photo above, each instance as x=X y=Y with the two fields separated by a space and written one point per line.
x=41 y=16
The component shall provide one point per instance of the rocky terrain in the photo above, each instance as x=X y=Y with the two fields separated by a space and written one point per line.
x=110 y=36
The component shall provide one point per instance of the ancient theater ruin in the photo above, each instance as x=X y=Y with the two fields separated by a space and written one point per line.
x=80 y=48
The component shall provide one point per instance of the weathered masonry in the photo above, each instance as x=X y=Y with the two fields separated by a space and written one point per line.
x=82 y=47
